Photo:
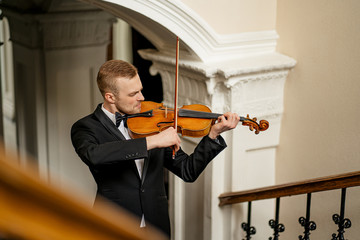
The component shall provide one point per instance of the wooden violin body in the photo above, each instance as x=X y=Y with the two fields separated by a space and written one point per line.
x=192 y=120
x=162 y=118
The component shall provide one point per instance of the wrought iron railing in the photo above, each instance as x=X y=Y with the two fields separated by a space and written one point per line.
x=341 y=181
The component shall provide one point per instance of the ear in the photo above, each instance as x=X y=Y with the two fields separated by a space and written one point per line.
x=109 y=97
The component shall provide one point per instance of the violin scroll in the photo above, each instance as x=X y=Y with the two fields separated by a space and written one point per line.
x=252 y=124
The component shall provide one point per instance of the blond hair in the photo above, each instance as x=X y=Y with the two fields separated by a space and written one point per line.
x=110 y=71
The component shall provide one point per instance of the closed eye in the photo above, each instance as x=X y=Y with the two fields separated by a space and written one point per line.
x=132 y=94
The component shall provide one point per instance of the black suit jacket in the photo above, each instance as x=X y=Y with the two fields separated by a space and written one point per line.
x=110 y=158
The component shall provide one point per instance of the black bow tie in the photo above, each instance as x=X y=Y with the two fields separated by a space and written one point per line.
x=120 y=118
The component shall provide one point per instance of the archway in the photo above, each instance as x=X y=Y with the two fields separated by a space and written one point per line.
x=240 y=72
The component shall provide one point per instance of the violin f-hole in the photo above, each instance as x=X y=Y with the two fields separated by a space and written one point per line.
x=160 y=125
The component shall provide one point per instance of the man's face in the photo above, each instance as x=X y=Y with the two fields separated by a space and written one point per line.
x=129 y=97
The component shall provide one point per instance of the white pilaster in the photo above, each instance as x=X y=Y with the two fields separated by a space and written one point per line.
x=56 y=58
x=252 y=85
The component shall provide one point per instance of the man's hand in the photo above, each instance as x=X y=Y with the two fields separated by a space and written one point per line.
x=224 y=123
x=166 y=138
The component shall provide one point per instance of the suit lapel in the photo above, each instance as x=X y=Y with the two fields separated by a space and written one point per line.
x=146 y=165
x=107 y=123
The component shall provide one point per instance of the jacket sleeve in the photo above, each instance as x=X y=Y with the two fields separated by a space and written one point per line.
x=96 y=146
x=189 y=167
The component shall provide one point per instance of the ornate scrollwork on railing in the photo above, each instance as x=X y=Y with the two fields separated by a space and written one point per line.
x=308 y=225
x=305 y=221
x=248 y=229
x=247 y=226
x=274 y=224
x=340 y=220
x=342 y=223
x=278 y=228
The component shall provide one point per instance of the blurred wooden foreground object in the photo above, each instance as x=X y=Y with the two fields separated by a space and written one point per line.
x=32 y=209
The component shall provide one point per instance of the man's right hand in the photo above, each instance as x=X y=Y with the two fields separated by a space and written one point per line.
x=166 y=138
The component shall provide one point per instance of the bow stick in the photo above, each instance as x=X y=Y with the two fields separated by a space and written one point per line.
x=176 y=88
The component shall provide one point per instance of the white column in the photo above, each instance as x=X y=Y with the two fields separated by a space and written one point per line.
x=7 y=89
x=56 y=59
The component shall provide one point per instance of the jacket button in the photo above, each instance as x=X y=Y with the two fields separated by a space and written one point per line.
x=142 y=190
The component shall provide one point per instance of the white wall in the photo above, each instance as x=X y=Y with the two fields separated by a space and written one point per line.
x=319 y=134
x=236 y=16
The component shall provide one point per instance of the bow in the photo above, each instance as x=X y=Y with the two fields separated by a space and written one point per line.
x=119 y=118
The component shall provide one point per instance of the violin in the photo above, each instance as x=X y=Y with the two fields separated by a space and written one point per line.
x=193 y=120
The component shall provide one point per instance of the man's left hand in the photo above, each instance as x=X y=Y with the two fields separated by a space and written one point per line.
x=224 y=123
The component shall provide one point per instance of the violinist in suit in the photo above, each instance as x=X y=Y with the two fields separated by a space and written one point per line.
x=129 y=172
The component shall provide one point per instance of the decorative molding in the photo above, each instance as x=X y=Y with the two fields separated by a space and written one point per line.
x=59 y=30
x=192 y=86
x=9 y=109
x=253 y=85
x=76 y=33
x=45 y=5
x=67 y=5
x=260 y=94
x=173 y=18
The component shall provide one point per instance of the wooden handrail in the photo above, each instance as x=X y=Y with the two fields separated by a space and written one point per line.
x=32 y=209
x=296 y=188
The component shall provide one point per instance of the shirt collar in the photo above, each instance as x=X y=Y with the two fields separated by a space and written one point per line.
x=109 y=114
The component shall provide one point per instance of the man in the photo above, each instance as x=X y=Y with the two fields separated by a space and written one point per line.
x=129 y=172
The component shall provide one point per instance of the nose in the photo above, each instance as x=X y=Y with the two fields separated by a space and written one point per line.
x=141 y=97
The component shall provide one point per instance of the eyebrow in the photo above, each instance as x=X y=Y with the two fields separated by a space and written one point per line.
x=134 y=92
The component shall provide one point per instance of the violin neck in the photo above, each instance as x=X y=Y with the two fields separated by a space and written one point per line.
x=200 y=114
x=197 y=114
